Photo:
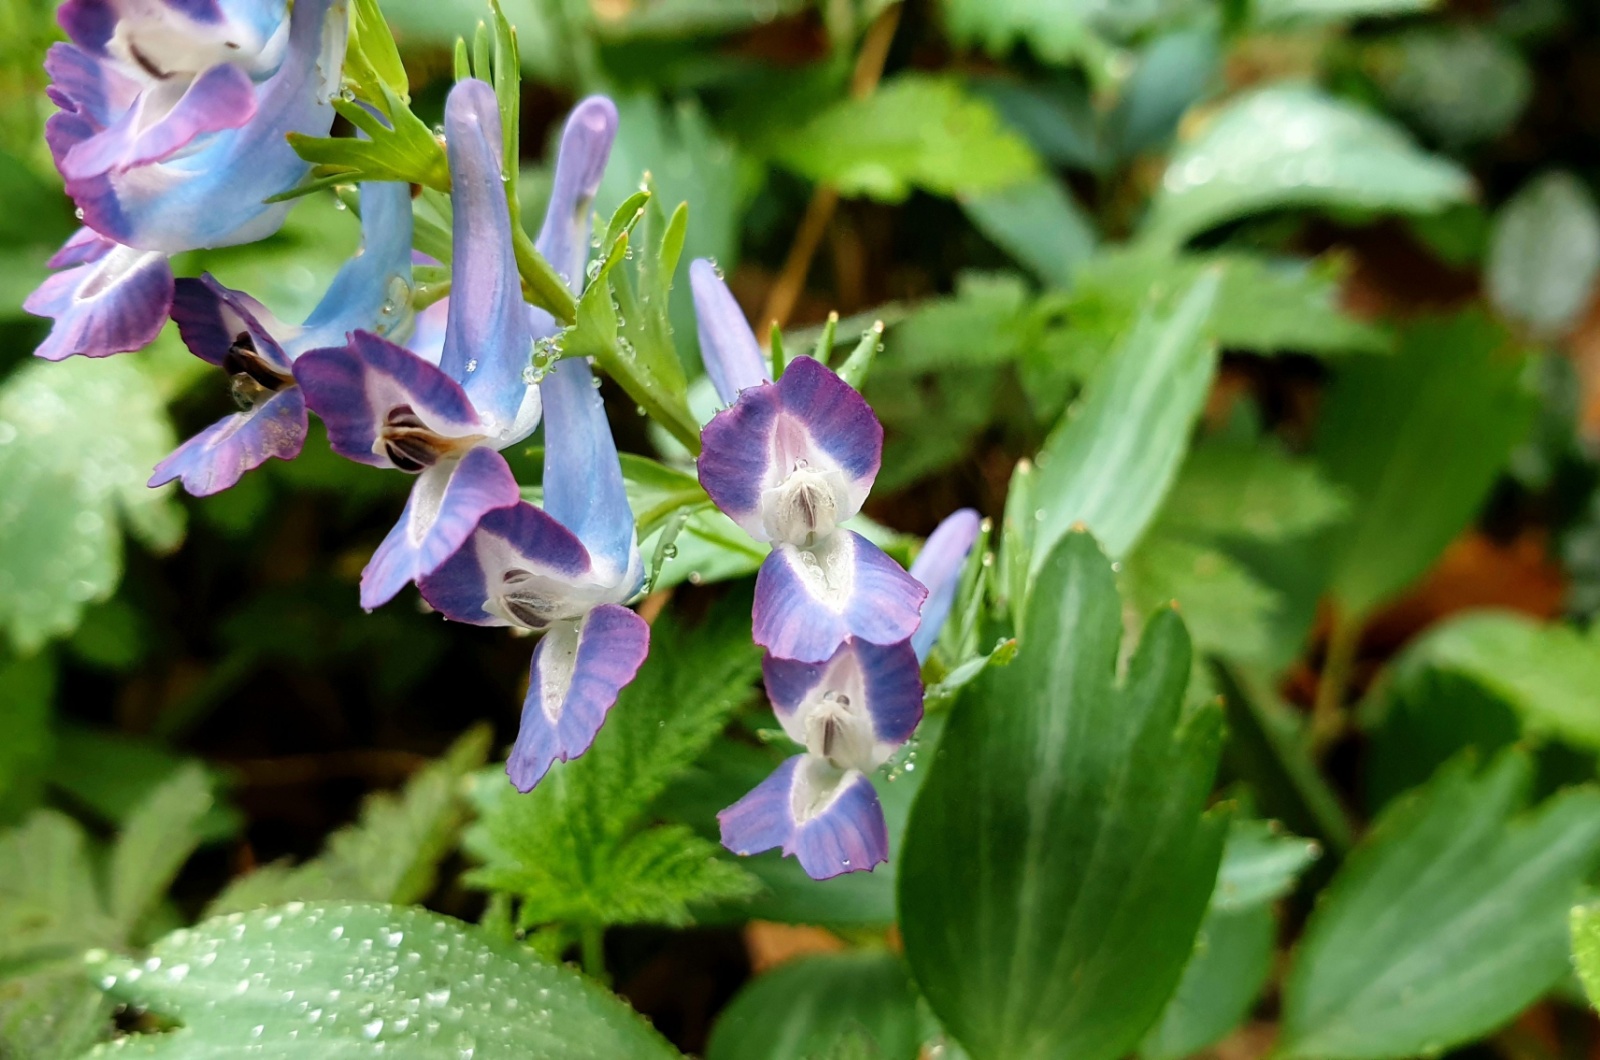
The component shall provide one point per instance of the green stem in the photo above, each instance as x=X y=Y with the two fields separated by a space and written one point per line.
x=591 y=942
x=1327 y=711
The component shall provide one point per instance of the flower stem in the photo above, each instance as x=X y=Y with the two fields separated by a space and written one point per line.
x=1327 y=711
x=591 y=942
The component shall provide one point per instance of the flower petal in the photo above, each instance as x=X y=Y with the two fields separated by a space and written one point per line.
x=446 y=503
x=791 y=460
x=809 y=600
x=372 y=291
x=83 y=246
x=728 y=347
x=116 y=303
x=583 y=485
x=938 y=566
x=875 y=689
x=215 y=458
x=488 y=341
x=521 y=567
x=580 y=164
x=211 y=318
x=177 y=36
x=356 y=389
x=579 y=669
x=830 y=820
x=221 y=98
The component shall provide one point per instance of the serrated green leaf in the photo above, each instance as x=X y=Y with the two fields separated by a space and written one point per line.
x=1446 y=921
x=391 y=854
x=579 y=848
x=109 y=775
x=1585 y=925
x=1228 y=612
x=1062 y=33
x=915 y=131
x=1109 y=465
x=805 y=1007
x=49 y=903
x=1260 y=864
x=1231 y=490
x=1058 y=860
x=1294 y=147
x=53 y=1014
x=1546 y=671
x=77 y=442
x=1417 y=440
x=1544 y=254
x=160 y=834
x=366 y=980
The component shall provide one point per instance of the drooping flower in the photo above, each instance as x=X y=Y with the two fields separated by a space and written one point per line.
x=564 y=570
x=789 y=462
x=850 y=713
x=446 y=422
x=170 y=135
x=241 y=336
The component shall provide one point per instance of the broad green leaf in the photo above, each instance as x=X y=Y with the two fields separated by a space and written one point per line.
x=1294 y=147
x=1446 y=921
x=915 y=131
x=1585 y=926
x=77 y=442
x=160 y=834
x=1460 y=84
x=983 y=323
x=1227 y=610
x=391 y=854
x=27 y=702
x=1039 y=223
x=581 y=847
x=1058 y=31
x=365 y=980
x=1265 y=305
x=1277 y=12
x=54 y=1014
x=1175 y=71
x=805 y=1007
x=109 y=775
x=1548 y=672
x=1233 y=951
x=49 y=903
x=1417 y=440
x=1544 y=254
x=1230 y=490
x=1109 y=465
x=1058 y=860
x=1419 y=716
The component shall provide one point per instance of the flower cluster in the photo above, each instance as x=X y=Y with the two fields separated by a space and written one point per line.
x=845 y=628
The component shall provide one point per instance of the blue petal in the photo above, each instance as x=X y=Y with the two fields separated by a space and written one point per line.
x=112 y=304
x=881 y=683
x=354 y=389
x=938 y=567
x=520 y=543
x=580 y=163
x=215 y=458
x=445 y=506
x=211 y=317
x=848 y=835
x=372 y=292
x=488 y=342
x=764 y=818
x=728 y=347
x=222 y=98
x=583 y=485
x=808 y=601
x=578 y=670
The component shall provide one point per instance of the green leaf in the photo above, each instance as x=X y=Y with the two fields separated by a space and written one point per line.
x=1446 y=921
x=77 y=442
x=1260 y=864
x=1109 y=465
x=27 y=702
x=1460 y=84
x=1061 y=33
x=1585 y=926
x=1059 y=849
x=580 y=848
x=1037 y=222
x=915 y=131
x=1417 y=440
x=1231 y=490
x=1294 y=147
x=1544 y=254
x=159 y=836
x=366 y=980
x=110 y=775
x=805 y=1007
x=1227 y=610
x=1547 y=672
x=54 y=1014
x=1302 y=12
x=392 y=854
x=49 y=904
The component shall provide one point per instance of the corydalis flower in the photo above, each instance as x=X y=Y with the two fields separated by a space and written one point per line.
x=850 y=713
x=242 y=337
x=789 y=462
x=170 y=134
x=446 y=422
